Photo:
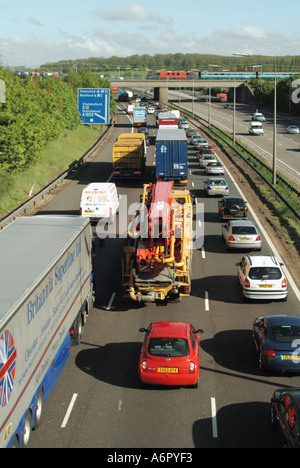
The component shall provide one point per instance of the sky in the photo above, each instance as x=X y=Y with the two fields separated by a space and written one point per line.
x=35 y=32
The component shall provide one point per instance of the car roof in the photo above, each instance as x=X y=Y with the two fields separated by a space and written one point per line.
x=216 y=178
x=239 y=222
x=169 y=329
x=283 y=320
x=263 y=260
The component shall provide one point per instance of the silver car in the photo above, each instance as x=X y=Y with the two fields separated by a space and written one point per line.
x=241 y=234
x=292 y=129
x=207 y=158
x=216 y=186
x=200 y=143
x=213 y=168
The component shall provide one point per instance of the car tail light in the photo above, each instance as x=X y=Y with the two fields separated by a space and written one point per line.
x=245 y=209
x=226 y=188
x=80 y=210
x=283 y=283
x=110 y=211
x=144 y=365
x=258 y=238
x=192 y=367
x=208 y=188
x=186 y=290
x=269 y=354
x=231 y=238
x=247 y=283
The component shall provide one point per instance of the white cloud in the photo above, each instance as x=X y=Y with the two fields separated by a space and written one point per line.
x=108 y=42
x=132 y=12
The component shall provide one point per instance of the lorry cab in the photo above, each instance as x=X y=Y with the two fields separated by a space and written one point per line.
x=256 y=128
x=99 y=200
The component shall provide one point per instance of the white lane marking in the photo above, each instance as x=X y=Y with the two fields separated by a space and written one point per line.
x=206 y=301
x=214 y=418
x=68 y=413
x=111 y=301
x=120 y=405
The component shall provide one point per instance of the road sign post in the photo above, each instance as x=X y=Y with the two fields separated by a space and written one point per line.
x=93 y=105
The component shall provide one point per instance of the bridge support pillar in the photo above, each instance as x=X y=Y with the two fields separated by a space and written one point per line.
x=161 y=94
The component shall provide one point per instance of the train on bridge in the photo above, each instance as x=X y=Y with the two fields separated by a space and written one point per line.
x=198 y=75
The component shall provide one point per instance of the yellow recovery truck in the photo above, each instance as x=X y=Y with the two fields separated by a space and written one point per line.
x=158 y=254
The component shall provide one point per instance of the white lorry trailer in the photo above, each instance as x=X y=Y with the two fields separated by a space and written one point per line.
x=46 y=294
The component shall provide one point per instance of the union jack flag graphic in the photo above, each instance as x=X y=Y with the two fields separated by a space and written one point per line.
x=8 y=355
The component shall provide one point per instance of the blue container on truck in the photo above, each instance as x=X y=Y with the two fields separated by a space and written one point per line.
x=172 y=155
x=45 y=277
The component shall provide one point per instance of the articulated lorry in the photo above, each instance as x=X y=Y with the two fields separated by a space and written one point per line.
x=158 y=255
x=129 y=156
x=172 y=155
x=45 y=278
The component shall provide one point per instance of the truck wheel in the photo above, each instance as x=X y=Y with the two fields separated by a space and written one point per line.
x=39 y=409
x=15 y=442
x=26 y=429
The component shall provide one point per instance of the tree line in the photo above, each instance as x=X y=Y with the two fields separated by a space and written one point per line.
x=141 y=64
x=36 y=112
x=287 y=94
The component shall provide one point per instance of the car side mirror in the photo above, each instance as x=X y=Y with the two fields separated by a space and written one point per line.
x=199 y=330
x=143 y=330
x=238 y=264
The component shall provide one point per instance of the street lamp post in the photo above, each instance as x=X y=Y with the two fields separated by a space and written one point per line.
x=275 y=128
x=237 y=54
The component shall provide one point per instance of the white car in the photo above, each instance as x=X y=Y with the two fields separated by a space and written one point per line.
x=183 y=124
x=292 y=129
x=258 y=116
x=261 y=277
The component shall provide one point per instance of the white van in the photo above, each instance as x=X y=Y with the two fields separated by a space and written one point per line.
x=256 y=128
x=99 y=200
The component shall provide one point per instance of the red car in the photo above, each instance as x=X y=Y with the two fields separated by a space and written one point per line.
x=170 y=354
x=206 y=149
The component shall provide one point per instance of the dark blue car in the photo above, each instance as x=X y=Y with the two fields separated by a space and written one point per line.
x=277 y=340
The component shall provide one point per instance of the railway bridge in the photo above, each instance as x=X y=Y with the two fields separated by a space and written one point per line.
x=161 y=86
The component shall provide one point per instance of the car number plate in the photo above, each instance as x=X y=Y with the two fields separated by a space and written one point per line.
x=244 y=238
x=167 y=370
x=290 y=357
x=265 y=285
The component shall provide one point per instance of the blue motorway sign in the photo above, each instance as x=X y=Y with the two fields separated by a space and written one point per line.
x=93 y=105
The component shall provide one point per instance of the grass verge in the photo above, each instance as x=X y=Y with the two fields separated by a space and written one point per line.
x=55 y=159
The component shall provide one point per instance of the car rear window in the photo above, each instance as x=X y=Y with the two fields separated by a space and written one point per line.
x=267 y=273
x=217 y=182
x=168 y=347
x=286 y=333
x=236 y=201
x=243 y=230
